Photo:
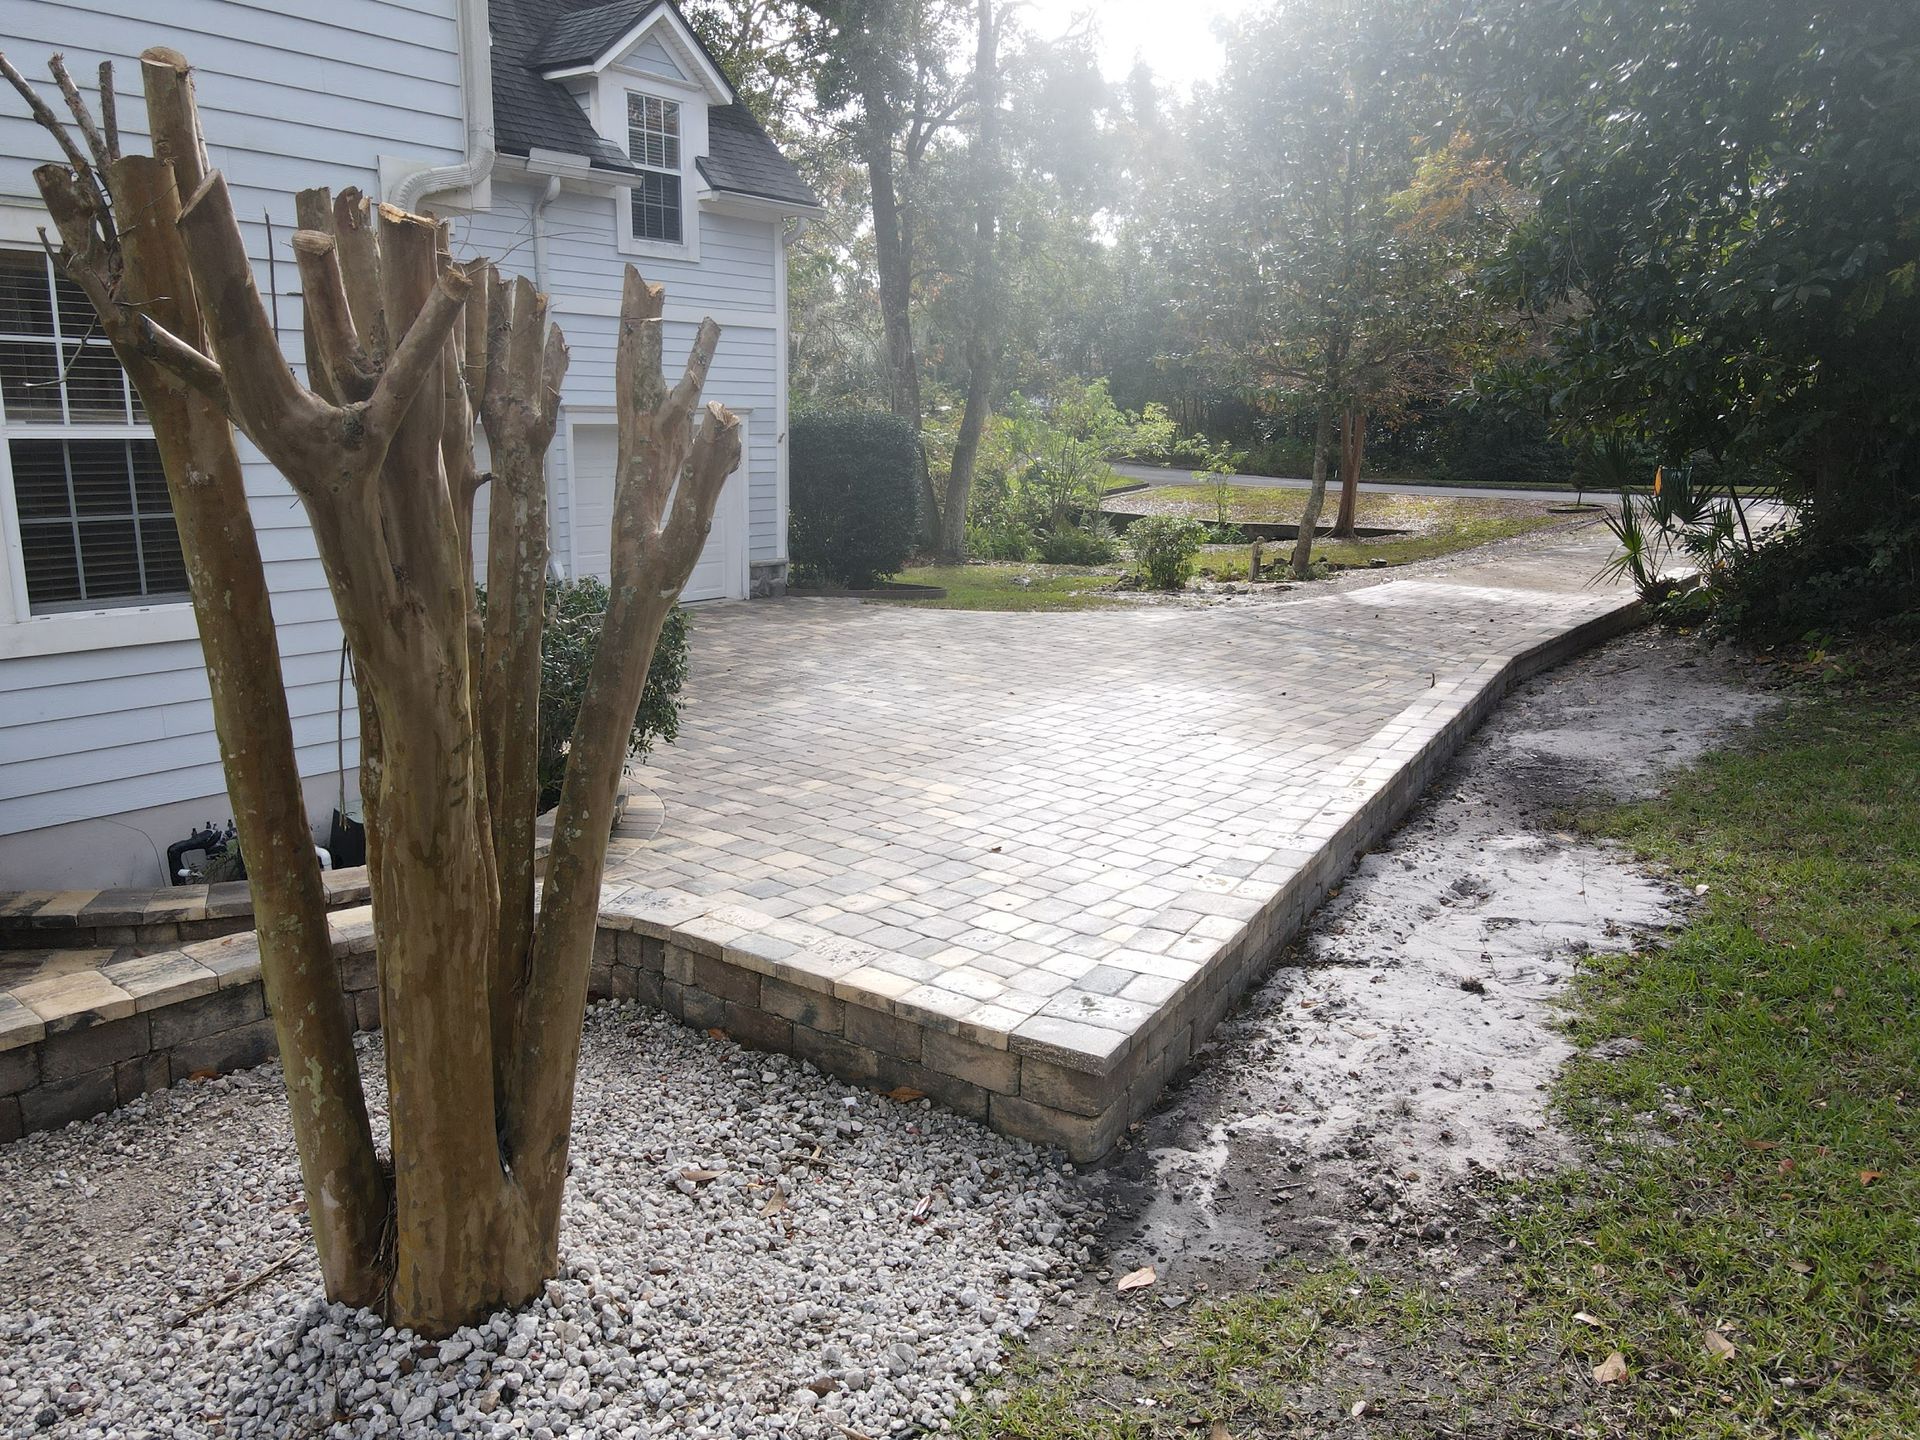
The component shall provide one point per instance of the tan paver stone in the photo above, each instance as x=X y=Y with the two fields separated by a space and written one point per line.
x=161 y=979
x=74 y=1000
x=18 y=1025
x=233 y=959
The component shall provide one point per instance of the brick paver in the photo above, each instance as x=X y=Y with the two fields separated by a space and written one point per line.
x=1043 y=832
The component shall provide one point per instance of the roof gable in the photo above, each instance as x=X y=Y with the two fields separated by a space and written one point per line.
x=535 y=112
x=590 y=41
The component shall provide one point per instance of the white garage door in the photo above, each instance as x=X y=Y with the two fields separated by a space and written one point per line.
x=721 y=573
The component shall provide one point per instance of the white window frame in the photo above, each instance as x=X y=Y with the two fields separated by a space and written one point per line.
x=610 y=108
x=22 y=633
x=677 y=171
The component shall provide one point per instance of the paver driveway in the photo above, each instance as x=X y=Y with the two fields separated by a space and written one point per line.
x=1044 y=832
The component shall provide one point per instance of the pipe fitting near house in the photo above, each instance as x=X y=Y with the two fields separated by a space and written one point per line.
x=476 y=83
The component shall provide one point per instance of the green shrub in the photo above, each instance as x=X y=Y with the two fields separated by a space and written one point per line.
x=575 y=612
x=1000 y=536
x=855 y=482
x=1089 y=544
x=1164 y=547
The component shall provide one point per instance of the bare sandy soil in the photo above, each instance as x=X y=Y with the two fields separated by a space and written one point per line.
x=1399 y=1056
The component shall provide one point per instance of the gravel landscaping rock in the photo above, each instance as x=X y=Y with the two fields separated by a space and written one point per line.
x=750 y=1249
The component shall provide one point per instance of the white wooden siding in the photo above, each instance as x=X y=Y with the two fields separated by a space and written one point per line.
x=292 y=95
x=295 y=95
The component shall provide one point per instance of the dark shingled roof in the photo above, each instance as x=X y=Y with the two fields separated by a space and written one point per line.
x=742 y=158
x=583 y=37
x=531 y=112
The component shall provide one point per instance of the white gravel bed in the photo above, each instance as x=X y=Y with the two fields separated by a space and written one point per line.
x=856 y=1265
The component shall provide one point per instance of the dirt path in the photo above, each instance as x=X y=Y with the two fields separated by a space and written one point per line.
x=1400 y=1055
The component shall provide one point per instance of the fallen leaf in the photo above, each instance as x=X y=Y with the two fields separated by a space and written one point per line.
x=716 y=1033
x=1718 y=1345
x=699 y=1177
x=1585 y=1319
x=1611 y=1370
x=905 y=1093
x=1218 y=1431
x=1761 y=1144
x=1800 y=1267
x=1136 y=1280
x=1787 y=1166
x=775 y=1204
x=1867 y=1177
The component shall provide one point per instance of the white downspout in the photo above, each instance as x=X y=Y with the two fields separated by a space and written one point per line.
x=547 y=197
x=476 y=84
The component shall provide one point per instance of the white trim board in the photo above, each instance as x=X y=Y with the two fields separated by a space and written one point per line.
x=672 y=314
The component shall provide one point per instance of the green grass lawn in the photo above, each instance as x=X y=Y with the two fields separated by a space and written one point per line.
x=1014 y=587
x=1749 y=1174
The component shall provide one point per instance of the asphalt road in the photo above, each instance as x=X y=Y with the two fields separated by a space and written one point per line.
x=1154 y=475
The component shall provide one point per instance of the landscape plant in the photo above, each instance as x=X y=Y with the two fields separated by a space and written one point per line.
x=576 y=617
x=854 y=479
x=1164 y=548
x=481 y=993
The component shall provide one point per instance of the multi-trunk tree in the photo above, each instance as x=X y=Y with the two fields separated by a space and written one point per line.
x=483 y=975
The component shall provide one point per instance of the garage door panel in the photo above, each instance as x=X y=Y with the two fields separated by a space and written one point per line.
x=719 y=573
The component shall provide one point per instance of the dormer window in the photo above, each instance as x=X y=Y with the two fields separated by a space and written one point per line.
x=653 y=144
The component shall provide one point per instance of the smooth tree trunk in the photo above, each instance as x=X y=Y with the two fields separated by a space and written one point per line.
x=1323 y=432
x=481 y=998
x=983 y=340
x=893 y=259
x=117 y=221
x=1353 y=450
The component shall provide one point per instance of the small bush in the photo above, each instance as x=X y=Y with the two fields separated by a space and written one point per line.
x=575 y=613
x=855 y=482
x=1000 y=536
x=1164 y=547
x=1090 y=544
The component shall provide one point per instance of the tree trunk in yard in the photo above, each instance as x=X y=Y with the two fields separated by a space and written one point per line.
x=137 y=268
x=893 y=256
x=1323 y=429
x=481 y=1000
x=983 y=341
x=1353 y=449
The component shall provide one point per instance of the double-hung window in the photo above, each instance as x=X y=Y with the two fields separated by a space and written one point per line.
x=89 y=497
x=653 y=144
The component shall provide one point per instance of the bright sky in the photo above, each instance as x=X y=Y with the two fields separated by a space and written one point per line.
x=1176 y=40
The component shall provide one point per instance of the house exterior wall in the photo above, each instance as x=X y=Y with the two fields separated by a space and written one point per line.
x=107 y=750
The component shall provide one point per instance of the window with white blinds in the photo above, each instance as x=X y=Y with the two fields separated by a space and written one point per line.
x=94 y=524
x=653 y=142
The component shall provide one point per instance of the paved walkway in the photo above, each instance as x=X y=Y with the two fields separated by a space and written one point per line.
x=1045 y=833
x=1160 y=475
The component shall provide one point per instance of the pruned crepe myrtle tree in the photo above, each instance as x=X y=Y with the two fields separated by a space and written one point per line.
x=481 y=992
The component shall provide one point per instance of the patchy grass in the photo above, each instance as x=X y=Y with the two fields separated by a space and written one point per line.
x=1754 y=1169
x=1295 y=1358
x=1014 y=587
x=1750 y=1170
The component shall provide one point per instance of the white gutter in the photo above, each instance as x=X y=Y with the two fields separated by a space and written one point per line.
x=547 y=197
x=476 y=85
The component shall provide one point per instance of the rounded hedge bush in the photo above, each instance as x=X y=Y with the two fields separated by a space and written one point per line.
x=1164 y=547
x=855 y=482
